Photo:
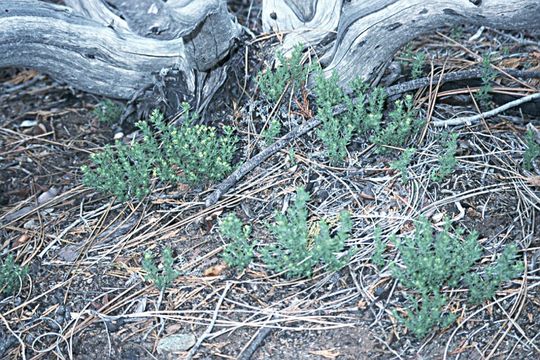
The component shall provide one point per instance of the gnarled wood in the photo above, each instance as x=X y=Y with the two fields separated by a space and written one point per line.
x=305 y=22
x=370 y=32
x=93 y=49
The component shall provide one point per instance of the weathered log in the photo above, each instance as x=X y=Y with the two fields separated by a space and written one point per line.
x=368 y=33
x=93 y=49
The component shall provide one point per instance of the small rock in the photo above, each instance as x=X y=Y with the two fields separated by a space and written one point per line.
x=118 y=135
x=28 y=123
x=30 y=224
x=69 y=253
x=176 y=343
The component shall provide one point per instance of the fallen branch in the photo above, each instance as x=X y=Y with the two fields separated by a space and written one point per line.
x=468 y=120
x=255 y=161
x=247 y=354
x=211 y=325
x=453 y=76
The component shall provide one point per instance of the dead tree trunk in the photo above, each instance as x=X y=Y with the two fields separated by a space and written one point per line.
x=362 y=37
x=115 y=53
x=117 y=47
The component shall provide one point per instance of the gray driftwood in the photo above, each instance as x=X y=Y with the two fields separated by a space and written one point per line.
x=363 y=36
x=117 y=47
x=115 y=51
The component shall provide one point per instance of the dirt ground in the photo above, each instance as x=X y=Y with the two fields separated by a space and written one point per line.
x=85 y=297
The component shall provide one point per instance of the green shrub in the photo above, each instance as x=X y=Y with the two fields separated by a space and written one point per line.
x=372 y=121
x=239 y=252
x=417 y=65
x=163 y=278
x=402 y=126
x=484 y=286
x=335 y=131
x=483 y=96
x=272 y=132
x=196 y=150
x=272 y=84
x=296 y=252
x=447 y=161
x=11 y=276
x=433 y=261
x=402 y=164
x=422 y=318
x=191 y=154
x=532 y=152
x=108 y=112
x=123 y=171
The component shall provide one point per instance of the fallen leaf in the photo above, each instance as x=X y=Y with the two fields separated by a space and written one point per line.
x=327 y=354
x=362 y=305
x=215 y=270
x=534 y=180
x=21 y=240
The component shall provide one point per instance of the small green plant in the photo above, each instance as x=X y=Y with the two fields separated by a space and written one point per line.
x=417 y=65
x=457 y=32
x=296 y=252
x=484 y=286
x=196 y=150
x=483 y=95
x=192 y=154
x=380 y=247
x=335 y=131
x=366 y=119
x=272 y=132
x=403 y=125
x=272 y=84
x=11 y=276
x=422 y=317
x=292 y=156
x=123 y=171
x=402 y=164
x=532 y=152
x=239 y=252
x=433 y=261
x=107 y=111
x=163 y=278
x=447 y=161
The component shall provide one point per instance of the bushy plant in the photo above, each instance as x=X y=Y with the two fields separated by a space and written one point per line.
x=402 y=126
x=447 y=160
x=433 y=261
x=483 y=286
x=425 y=315
x=402 y=164
x=163 y=278
x=417 y=64
x=196 y=150
x=483 y=96
x=191 y=154
x=335 y=131
x=273 y=130
x=272 y=84
x=372 y=121
x=239 y=252
x=11 y=275
x=108 y=111
x=296 y=252
x=532 y=152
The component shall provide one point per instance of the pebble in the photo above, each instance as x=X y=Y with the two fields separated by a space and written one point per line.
x=176 y=343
